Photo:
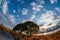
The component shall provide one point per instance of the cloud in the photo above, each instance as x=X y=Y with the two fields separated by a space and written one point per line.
x=0 y=4
x=12 y=19
x=24 y=20
x=24 y=11
x=57 y=9
x=5 y=7
x=53 y=1
x=5 y=21
x=45 y=33
x=49 y=21
x=47 y=18
x=14 y=11
x=36 y=7
x=0 y=1
x=33 y=4
x=21 y=1
x=17 y=15
x=40 y=1
x=32 y=17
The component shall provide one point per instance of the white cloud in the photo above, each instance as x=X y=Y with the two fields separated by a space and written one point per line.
x=21 y=1
x=36 y=7
x=5 y=7
x=48 y=18
x=12 y=19
x=45 y=9
x=0 y=1
x=40 y=1
x=33 y=4
x=24 y=20
x=45 y=33
x=57 y=9
x=17 y=15
x=14 y=11
x=53 y=1
x=24 y=11
x=32 y=17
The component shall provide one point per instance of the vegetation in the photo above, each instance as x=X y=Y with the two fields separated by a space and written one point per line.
x=20 y=28
x=53 y=36
x=29 y=27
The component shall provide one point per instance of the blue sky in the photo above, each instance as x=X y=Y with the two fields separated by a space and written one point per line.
x=13 y=12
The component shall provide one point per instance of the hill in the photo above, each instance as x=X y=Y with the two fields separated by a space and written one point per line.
x=5 y=33
x=54 y=36
x=3 y=28
x=11 y=34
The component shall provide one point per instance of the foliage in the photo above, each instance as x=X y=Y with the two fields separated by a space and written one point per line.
x=32 y=27
x=20 y=27
x=29 y=27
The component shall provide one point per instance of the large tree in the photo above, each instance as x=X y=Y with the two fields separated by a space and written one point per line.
x=31 y=27
x=20 y=27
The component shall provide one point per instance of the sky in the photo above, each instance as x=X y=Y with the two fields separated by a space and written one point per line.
x=42 y=12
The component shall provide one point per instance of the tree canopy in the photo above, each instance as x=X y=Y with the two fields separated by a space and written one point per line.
x=32 y=27
x=28 y=26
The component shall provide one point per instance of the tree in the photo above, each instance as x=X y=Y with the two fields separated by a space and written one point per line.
x=20 y=27
x=31 y=27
